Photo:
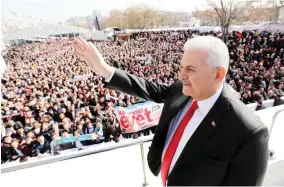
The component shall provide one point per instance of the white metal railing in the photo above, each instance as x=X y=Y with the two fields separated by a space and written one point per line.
x=93 y=149
x=74 y=153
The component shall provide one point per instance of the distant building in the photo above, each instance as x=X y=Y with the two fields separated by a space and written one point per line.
x=191 y=23
x=97 y=19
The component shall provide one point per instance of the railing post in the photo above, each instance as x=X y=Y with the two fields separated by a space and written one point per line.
x=273 y=120
x=143 y=164
x=271 y=152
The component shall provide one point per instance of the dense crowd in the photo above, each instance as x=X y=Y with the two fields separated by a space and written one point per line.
x=41 y=102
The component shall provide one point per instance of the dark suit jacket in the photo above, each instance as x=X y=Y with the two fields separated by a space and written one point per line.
x=234 y=152
x=41 y=149
x=278 y=102
x=6 y=153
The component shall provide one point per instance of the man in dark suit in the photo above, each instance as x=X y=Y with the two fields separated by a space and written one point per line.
x=42 y=146
x=206 y=135
x=278 y=101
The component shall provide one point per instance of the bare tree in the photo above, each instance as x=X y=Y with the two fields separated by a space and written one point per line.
x=227 y=11
x=161 y=18
x=275 y=6
x=149 y=16
x=115 y=19
x=138 y=17
x=208 y=17
x=281 y=13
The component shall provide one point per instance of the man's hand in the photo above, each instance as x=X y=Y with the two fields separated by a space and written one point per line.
x=89 y=53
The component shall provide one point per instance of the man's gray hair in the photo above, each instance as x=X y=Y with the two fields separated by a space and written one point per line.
x=216 y=50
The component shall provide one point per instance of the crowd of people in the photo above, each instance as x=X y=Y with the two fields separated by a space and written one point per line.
x=42 y=100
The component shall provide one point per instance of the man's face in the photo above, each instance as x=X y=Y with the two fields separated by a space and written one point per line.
x=30 y=135
x=282 y=70
x=102 y=100
x=20 y=131
x=80 y=126
x=15 y=144
x=197 y=77
x=77 y=133
x=65 y=134
x=8 y=140
x=261 y=90
x=89 y=125
x=55 y=107
x=98 y=124
x=61 y=116
x=29 y=140
x=36 y=125
x=40 y=139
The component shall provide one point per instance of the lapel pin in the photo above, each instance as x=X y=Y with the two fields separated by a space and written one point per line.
x=213 y=123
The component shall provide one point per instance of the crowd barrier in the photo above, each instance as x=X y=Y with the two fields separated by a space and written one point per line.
x=72 y=153
x=267 y=104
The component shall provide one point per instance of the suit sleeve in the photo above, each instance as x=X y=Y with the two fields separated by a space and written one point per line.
x=136 y=86
x=48 y=148
x=37 y=150
x=248 y=166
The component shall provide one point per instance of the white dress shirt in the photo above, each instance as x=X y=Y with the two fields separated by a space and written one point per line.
x=107 y=79
x=204 y=107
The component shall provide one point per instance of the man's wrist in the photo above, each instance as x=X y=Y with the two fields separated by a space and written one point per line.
x=111 y=73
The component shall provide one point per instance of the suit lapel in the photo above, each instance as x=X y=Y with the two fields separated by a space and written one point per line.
x=176 y=104
x=206 y=129
x=171 y=108
x=170 y=111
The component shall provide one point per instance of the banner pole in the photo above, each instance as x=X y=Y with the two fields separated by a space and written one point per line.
x=143 y=164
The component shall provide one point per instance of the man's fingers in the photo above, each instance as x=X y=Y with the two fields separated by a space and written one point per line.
x=82 y=43
x=77 y=43
x=91 y=46
x=77 y=48
x=79 y=53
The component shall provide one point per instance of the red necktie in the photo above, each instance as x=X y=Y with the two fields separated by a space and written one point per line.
x=171 y=149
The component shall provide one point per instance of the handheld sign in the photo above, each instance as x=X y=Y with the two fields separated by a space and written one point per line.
x=139 y=116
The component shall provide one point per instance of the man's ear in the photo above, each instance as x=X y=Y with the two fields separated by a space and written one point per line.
x=220 y=73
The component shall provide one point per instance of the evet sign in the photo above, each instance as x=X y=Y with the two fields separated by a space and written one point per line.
x=139 y=116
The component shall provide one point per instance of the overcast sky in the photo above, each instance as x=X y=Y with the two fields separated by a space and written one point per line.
x=61 y=10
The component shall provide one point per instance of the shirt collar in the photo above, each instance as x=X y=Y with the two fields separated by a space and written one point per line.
x=206 y=104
